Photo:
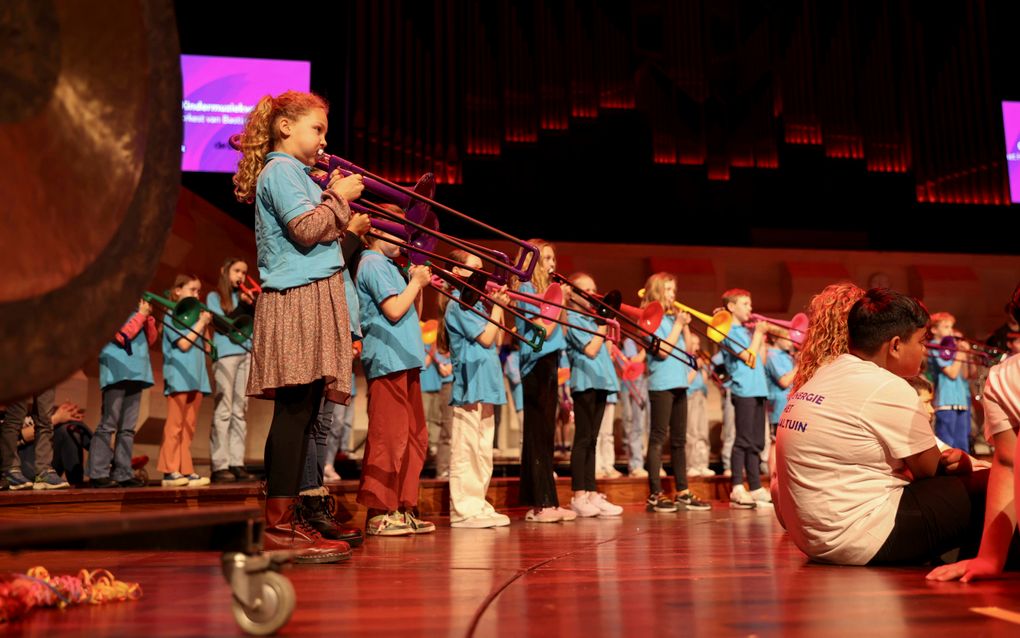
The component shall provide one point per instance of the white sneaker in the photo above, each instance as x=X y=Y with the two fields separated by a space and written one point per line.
x=329 y=475
x=740 y=499
x=762 y=497
x=481 y=521
x=583 y=507
x=693 y=473
x=543 y=515
x=639 y=473
x=614 y=473
x=498 y=520
x=708 y=472
x=662 y=473
x=566 y=515
x=605 y=507
x=174 y=479
x=194 y=480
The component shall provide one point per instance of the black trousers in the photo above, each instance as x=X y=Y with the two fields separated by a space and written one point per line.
x=589 y=406
x=935 y=515
x=668 y=410
x=749 y=421
x=538 y=488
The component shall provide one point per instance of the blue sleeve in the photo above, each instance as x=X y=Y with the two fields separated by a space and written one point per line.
x=739 y=340
x=512 y=369
x=174 y=334
x=771 y=370
x=286 y=190
x=629 y=348
x=374 y=279
x=577 y=339
x=717 y=358
x=212 y=300
x=464 y=322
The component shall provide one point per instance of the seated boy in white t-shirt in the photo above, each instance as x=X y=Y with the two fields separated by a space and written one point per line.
x=1001 y=401
x=857 y=458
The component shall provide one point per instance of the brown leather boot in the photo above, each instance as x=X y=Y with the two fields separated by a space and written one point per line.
x=288 y=532
x=319 y=512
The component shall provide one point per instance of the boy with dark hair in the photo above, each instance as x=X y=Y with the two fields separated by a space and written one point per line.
x=856 y=456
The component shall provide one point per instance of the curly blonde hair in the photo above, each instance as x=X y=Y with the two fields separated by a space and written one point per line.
x=261 y=133
x=826 y=337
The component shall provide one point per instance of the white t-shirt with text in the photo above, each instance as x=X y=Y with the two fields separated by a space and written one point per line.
x=839 y=450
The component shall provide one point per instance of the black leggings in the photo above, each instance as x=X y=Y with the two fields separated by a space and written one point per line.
x=589 y=407
x=538 y=488
x=669 y=412
x=295 y=412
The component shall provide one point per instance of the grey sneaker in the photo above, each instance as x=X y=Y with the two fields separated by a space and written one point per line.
x=49 y=480
x=17 y=481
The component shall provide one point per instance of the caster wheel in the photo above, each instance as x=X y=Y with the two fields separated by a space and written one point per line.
x=273 y=610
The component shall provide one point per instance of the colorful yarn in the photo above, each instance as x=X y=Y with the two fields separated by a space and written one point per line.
x=19 y=593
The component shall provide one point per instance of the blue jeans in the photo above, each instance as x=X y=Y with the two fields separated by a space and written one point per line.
x=66 y=453
x=637 y=426
x=121 y=403
x=341 y=430
x=315 y=452
x=953 y=427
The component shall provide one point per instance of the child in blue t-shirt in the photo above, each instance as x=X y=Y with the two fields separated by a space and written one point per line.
x=952 y=392
x=592 y=379
x=667 y=394
x=477 y=390
x=185 y=382
x=229 y=430
x=749 y=391
x=392 y=354
x=124 y=371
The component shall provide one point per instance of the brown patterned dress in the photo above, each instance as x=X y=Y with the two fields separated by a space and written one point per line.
x=303 y=334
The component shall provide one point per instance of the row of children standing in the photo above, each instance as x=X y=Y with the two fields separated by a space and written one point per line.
x=125 y=371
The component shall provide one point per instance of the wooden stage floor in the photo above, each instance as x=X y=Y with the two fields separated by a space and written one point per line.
x=721 y=573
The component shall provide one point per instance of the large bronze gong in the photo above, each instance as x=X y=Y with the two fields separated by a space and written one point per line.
x=90 y=136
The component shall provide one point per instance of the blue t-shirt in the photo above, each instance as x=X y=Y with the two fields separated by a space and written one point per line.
x=746 y=381
x=353 y=305
x=779 y=364
x=698 y=385
x=512 y=370
x=431 y=381
x=719 y=360
x=284 y=192
x=224 y=346
x=387 y=346
x=668 y=373
x=630 y=350
x=477 y=374
x=182 y=371
x=588 y=373
x=554 y=340
x=949 y=392
x=115 y=364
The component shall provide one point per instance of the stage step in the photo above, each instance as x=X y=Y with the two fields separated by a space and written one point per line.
x=434 y=497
